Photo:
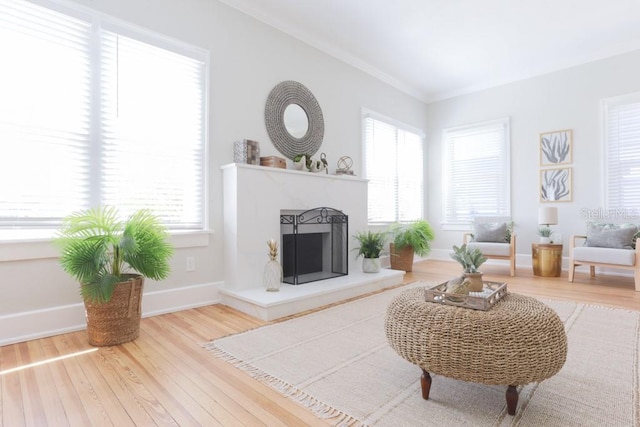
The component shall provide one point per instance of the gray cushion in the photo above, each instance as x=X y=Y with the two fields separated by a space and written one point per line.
x=619 y=238
x=490 y=232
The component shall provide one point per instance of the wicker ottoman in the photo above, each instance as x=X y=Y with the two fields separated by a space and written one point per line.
x=518 y=341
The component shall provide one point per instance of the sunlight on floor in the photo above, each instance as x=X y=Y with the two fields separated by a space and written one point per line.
x=44 y=362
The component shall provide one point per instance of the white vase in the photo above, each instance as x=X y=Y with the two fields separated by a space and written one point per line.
x=272 y=276
x=371 y=265
x=316 y=166
x=545 y=240
x=301 y=164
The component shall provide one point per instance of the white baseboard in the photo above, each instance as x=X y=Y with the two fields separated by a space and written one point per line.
x=25 y=326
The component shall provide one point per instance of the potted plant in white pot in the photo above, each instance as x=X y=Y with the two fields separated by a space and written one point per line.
x=110 y=258
x=470 y=259
x=545 y=234
x=371 y=247
x=408 y=239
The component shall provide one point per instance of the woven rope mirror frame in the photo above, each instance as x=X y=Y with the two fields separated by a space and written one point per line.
x=281 y=96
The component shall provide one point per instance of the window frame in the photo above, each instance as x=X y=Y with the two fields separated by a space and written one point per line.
x=100 y=21
x=462 y=223
x=606 y=105
x=399 y=125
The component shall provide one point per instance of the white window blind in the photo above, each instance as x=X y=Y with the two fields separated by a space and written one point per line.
x=151 y=122
x=45 y=85
x=96 y=116
x=622 y=152
x=394 y=167
x=476 y=171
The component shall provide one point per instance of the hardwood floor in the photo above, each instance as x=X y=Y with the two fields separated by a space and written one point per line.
x=166 y=378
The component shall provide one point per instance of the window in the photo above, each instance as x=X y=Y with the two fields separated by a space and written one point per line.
x=394 y=167
x=96 y=112
x=476 y=171
x=621 y=116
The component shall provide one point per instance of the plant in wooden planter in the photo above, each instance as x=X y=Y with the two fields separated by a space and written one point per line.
x=110 y=258
x=408 y=239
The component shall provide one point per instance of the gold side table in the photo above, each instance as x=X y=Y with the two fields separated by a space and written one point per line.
x=547 y=259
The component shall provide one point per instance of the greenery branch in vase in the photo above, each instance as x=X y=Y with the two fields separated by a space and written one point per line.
x=470 y=259
x=110 y=258
x=371 y=247
x=272 y=274
x=408 y=239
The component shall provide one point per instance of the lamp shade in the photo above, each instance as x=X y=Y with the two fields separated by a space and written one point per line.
x=548 y=215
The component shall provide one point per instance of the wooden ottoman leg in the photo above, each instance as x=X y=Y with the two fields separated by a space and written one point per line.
x=425 y=382
x=512 y=399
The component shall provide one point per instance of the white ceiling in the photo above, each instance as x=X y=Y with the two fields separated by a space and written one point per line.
x=435 y=49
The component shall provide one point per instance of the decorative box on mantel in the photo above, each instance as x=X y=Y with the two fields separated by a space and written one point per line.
x=246 y=151
x=274 y=162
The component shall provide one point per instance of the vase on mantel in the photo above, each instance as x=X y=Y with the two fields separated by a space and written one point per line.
x=272 y=274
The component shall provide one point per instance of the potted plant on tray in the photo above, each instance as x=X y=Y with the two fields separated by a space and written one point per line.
x=110 y=258
x=470 y=259
x=408 y=239
x=371 y=246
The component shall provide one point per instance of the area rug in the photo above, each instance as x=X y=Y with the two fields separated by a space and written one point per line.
x=337 y=362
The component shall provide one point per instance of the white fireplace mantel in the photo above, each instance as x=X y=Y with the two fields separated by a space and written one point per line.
x=253 y=198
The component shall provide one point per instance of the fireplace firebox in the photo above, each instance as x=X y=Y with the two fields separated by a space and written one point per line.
x=314 y=244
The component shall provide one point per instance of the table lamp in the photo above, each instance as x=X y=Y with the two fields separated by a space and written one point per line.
x=547 y=215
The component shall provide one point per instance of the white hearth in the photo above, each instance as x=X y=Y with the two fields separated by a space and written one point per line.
x=253 y=199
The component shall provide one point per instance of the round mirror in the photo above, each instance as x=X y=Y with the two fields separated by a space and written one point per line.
x=296 y=120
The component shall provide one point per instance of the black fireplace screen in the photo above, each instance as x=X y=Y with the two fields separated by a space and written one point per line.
x=314 y=245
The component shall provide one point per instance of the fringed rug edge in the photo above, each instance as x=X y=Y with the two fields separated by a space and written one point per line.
x=320 y=409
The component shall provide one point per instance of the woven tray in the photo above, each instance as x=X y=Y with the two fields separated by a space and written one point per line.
x=492 y=293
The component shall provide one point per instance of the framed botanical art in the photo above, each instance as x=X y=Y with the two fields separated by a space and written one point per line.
x=555 y=185
x=556 y=147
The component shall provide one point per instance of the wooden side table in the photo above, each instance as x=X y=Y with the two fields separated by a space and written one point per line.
x=547 y=259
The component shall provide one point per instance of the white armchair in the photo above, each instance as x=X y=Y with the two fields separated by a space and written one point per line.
x=495 y=238
x=607 y=257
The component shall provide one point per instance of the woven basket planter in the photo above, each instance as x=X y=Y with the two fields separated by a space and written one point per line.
x=401 y=259
x=117 y=321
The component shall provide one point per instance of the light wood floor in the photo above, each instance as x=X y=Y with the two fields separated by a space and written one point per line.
x=166 y=378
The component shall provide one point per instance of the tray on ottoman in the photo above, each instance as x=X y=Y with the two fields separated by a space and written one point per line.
x=491 y=294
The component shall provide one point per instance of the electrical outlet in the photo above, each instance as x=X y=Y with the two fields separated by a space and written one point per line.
x=191 y=263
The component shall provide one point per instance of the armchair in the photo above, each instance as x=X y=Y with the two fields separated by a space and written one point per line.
x=612 y=248
x=495 y=238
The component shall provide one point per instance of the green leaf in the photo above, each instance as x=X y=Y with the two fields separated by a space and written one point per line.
x=97 y=248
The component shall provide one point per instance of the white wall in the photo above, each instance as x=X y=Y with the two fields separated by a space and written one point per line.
x=247 y=60
x=568 y=99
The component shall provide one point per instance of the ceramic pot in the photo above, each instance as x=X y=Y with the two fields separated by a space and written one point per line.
x=475 y=281
x=371 y=265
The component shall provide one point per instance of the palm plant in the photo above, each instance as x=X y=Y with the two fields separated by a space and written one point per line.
x=98 y=249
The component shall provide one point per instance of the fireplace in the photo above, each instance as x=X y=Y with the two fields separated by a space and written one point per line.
x=314 y=244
